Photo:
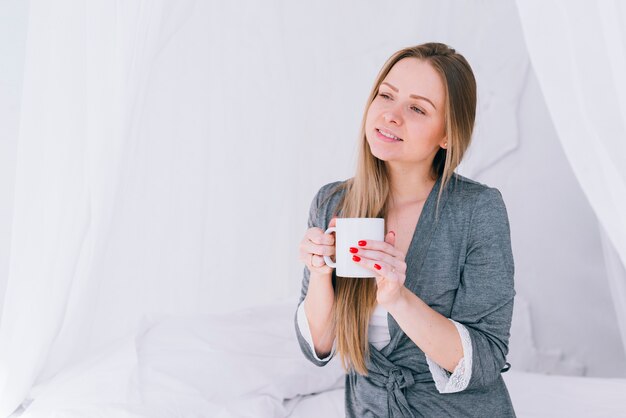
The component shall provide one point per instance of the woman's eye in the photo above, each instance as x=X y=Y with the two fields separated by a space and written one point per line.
x=418 y=110
x=413 y=108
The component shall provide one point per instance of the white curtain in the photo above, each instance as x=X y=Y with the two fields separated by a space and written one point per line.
x=168 y=152
x=578 y=52
x=86 y=71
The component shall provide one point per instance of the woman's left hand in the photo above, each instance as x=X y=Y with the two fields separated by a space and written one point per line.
x=388 y=265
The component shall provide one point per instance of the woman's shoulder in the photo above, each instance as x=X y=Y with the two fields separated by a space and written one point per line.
x=466 y=185
x=325 y=202
x=330 y=190
x=470 y=196
x=467 y=188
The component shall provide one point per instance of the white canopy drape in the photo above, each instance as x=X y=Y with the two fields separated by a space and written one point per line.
x=82 y=119
x=578 y=52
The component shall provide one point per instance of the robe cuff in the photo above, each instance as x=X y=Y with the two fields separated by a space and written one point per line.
x=447 y=382
x=303 y=324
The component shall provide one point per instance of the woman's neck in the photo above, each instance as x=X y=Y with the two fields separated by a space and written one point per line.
x=410 y=186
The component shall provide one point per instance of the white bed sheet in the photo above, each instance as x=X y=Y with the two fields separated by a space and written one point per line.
x=533 y=395
x=328 y=404
x=248 y=364
x=537 y=395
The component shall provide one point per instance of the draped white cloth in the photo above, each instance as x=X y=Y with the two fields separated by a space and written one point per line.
x=168 y=151
x=84 y=96
x=578 y=52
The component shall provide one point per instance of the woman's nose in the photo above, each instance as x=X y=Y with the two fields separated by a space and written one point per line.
x=392 y=115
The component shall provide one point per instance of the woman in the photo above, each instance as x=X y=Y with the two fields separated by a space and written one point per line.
x=429 y=336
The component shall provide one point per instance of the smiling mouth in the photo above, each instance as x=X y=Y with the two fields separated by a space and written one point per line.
x=387 y=135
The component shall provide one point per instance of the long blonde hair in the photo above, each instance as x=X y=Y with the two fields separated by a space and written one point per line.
x=367 y=194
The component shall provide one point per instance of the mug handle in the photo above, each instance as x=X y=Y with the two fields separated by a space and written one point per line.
x=327 y=259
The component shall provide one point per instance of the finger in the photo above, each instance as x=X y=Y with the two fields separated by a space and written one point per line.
x=380 y=246
x=317 y=261
x=391 y=238
x=307 y=248
x=378 y=257
x=320 y=249
x=317 y=236
x=379 y=268
x=333 y=222
x=379 y=279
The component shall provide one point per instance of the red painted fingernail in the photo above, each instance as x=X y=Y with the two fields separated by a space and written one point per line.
x=362 y=243
x=356 y=258
x=354 y=250
x=393 y=232
x=377 y=267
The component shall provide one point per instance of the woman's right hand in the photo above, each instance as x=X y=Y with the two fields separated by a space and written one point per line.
x=314 y=246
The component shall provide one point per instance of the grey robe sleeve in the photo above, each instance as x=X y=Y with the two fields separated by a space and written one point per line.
x=314 y=221
x=484 y=299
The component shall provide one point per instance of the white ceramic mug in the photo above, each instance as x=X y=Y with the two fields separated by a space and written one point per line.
x=348 y=232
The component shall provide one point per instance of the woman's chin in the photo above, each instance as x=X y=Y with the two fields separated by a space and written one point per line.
x=384 y=156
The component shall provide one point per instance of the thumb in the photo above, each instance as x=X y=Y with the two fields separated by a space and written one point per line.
x=333 y=222
x=378 y=278
x=391 y=238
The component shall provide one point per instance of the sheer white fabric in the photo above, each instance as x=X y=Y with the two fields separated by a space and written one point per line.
x=87 y=68
x=379 y=337
x=581 y=72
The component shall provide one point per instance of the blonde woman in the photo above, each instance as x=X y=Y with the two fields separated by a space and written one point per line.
x=428 y=337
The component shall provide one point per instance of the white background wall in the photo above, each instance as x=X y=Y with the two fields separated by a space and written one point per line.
x=313 y=104
x=13 y=23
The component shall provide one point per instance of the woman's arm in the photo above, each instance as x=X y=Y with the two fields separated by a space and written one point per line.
x=485 y=296
x=432 y=332
x=317 y=293
x=318 y=306
x=483 y=302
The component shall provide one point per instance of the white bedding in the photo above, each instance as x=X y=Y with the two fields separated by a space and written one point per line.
x=248 y=364
x=533 y=395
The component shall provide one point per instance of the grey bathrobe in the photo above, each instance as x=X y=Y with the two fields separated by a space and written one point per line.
x=461 y=265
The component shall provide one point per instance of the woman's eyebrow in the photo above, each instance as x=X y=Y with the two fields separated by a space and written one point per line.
x=414 y=96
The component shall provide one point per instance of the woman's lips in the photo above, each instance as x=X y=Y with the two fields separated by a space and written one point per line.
x=386 y=138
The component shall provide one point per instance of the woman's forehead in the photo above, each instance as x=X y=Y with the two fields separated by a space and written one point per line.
x=412 y=76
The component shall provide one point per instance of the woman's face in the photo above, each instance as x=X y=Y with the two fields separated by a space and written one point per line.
x=409 y=105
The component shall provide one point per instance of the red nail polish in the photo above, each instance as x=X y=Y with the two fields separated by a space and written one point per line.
x=362 y=243
x=356 y=258
x=354 y=250
x=377 y=267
